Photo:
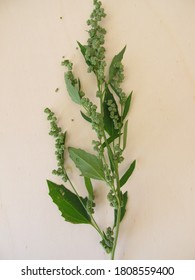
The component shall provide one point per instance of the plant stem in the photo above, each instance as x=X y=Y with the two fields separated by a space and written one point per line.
x=117 y=189
x=116 y=230
x=118 y=220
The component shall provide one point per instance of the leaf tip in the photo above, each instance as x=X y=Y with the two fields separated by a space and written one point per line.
x=124 y=49
x=48 y=182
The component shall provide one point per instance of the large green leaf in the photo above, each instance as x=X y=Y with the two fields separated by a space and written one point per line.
x=108 y=122
x=89 y=165
x=123 y=208
x=117 y=58
x=73 y=92
x=128 y=173
x=69 y=204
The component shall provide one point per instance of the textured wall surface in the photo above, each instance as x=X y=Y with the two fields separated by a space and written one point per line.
x=160 y=68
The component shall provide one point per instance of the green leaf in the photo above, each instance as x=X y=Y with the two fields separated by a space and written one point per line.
x=108 y=122
x=69 y=204
x=73 y=92
x=127 y=106
x=89 y=187
x=125 y=134
x=79 y=84
x=82 y=48
x=111 y=139
x=117 y=58
x=89 y=165
x=83 y=51
x=128 y=173
x=88 y=119
x=123 y=208
x=111 y=159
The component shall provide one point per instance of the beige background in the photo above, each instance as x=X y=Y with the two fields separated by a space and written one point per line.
x=160 y=68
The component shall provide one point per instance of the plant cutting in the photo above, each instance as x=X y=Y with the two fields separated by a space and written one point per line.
x=108 y=118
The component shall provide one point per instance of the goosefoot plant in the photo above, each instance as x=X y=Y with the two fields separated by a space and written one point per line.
x=110 y=125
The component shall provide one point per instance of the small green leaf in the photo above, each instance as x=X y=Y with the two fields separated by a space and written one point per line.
x=125 y=134
x=111 y=139
x=108 y=121
x=128 y=173
x=123 y=208
x=88 y=119
x=111 y=160
x=89 y=165
x=117 y=58
x=69 y=204
x=82 y=48
x=83 y=51
x=73 y=92
x=127 y=106
x=89 y=187
x=79 y=84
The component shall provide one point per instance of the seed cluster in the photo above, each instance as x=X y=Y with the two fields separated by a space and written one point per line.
x=112 y=108
x=90 y=206
x=112 y=199
x=108 y=174
x=95 y=51
x=96 y=118
x=118 y=153
x=97 y=146
x=117 y=79
x=108 y=240
x=60 y=138
x=69 y=73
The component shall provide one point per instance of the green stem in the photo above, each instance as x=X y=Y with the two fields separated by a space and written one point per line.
x=95 y=225
x=118 y=212
x=116 y=231
x=117 y=190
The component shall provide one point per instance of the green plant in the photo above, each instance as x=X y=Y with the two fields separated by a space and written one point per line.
x=110 y=125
